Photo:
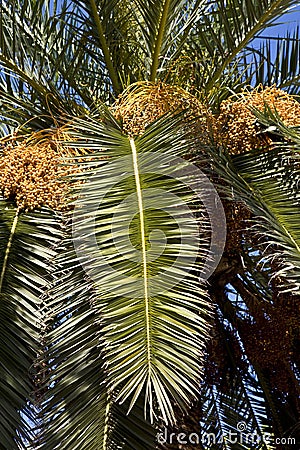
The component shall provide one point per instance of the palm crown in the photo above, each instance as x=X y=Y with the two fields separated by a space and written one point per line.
x=123 y=311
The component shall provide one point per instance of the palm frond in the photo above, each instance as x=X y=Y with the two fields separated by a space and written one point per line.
x=74 y=408
x=279 y=224
x=235 y=407
x=39 y=60
x=78 y=411
x=132 y=430
x=145 y=301
x=276 y=61
x=25 y=246
x=268 y=183
x=165 y=25
x=237 y=416
x=224 y=33
x=94 y=11
x=272 y=120
x=108 y=33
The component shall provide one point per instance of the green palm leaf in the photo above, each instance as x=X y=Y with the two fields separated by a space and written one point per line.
x=39 y=60
x=25 y=247
x=125 y=333
x=236 y=407
x=237 y=417
x=165 y=26
x=75 y=405
x=263 y=181
x=224 y=35
x=153 y=326
x=78 y=411
x=281 y=197
x=107 y=34
x=281 y=69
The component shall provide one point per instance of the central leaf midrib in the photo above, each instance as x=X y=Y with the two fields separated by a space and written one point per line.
x=143 y=245
x=8 y=247
x=159 y=39
x=106 y=423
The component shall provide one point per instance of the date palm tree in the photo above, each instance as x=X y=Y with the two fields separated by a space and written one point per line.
x=125 y=316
